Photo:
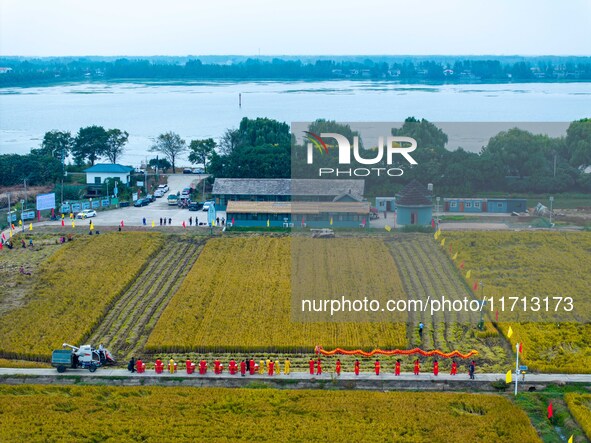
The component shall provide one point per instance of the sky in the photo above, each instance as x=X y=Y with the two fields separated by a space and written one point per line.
x=302 y=27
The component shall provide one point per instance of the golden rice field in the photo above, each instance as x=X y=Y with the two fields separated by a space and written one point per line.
x=122 y=414
x=71 y=291
x=530 y=264
x=237 y=297
x=580 y=408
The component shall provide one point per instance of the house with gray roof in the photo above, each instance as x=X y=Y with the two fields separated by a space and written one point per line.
x=226 y=190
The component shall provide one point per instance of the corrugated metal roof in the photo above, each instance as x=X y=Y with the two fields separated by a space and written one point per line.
x=109 y=167
x=287 y=186
x=245 y=207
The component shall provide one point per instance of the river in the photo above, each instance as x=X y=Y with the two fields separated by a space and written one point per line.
x=207 y=109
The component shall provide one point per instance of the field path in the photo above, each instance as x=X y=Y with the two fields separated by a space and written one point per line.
x=126 y=327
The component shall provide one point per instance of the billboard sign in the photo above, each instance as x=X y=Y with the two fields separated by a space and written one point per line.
x=45 y=201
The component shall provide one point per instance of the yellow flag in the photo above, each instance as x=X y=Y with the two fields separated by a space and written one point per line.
x=436 y=235
x=570 y=440
x=443 y=242
x=153 y=223
x=269 y=223
x=20 y=222
x=469 y=273
x=11 y=233
x=388 y=228
x=331 y=221
x=508 y=377
x=455 y=256
x=73 y=224
x=30 y=226
x=509 y=332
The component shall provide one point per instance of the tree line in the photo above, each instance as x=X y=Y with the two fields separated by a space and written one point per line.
x=410 y=69
x=512 y=161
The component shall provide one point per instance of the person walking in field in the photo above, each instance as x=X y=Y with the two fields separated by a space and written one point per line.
x=472 y=369
x=319 y=367
x=286 y=367
x=356 y=367
x=417 y=367
x=454 y=368
x=436 y=367
x=377 y=367
x=311 y=365
x=338 y=367
x=397 y=368
x=421 y=327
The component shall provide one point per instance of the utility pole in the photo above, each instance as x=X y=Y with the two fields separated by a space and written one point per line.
x=516 y=366
x=25 y=202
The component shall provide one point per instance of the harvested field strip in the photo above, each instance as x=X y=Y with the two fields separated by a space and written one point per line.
x=427 y=273
x=129 y=322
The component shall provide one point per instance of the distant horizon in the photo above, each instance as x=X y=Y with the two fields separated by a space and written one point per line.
x=297 y=55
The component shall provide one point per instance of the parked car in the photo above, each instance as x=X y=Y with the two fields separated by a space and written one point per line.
x=206 y=205
x=141 y=202
x=150 y=198
x=187 y=171
x=163 y=188
x=195 y=206
x=186 y=191
x=87 y=213
x=158 y=193
x=198 y=171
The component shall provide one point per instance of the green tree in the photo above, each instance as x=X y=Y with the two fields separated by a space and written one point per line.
x=171 y=145
x=201 y=150
x=90 y=144
x=424 y=132
x=116 y=140
x=57 y=144
x=578 y=143
x=229 y=141
x=520 y=152
x=161 y=163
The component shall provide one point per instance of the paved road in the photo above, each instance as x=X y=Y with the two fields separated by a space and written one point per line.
x=405 y=376
x=132 y=216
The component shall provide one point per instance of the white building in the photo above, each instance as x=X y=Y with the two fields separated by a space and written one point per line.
x=96 y=175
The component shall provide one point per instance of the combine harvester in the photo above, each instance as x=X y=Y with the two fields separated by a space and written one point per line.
x=85 y=357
